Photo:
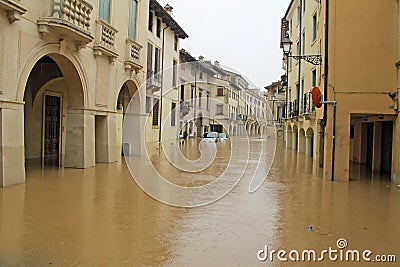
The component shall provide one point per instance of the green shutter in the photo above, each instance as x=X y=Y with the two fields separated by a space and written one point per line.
x=104 y=10
x=132 y=20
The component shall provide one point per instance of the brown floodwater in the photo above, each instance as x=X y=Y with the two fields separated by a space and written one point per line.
x=100 y=217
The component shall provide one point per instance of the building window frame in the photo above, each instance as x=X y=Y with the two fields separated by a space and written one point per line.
x=132 y=28
x=105 y=10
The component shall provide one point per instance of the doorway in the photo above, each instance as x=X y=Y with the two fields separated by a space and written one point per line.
x=386 y=147
x=51 y=129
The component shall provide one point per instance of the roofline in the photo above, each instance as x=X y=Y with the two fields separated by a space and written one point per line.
x=290 y=6
x=167 y=19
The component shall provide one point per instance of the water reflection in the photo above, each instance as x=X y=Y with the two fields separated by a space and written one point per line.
x=99 y=216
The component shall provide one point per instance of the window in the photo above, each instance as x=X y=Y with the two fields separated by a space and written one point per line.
x=304 y=6
x=314 y=18
x=298 y=48
x=155 y=112
x=158 y=32
x=208 y=101
x=201 y=75
x=220 y=91
x=157 y=60
x=173 y=113
x=314 y=77
x=148 y=104
x=132 y=19
x=182 y=92
x=149 y=60
x=192 y=95
x=304 y=43
x=150 y=26
x=220 y=110
x=298 y=14
x=200 y=95
x=176 y=41
x=174 y=72
x=104 y=10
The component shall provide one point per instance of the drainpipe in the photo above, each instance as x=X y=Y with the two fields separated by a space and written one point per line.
x=326 y=85
x=162 y=84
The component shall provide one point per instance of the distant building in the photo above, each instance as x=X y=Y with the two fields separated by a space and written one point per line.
x=216 y=99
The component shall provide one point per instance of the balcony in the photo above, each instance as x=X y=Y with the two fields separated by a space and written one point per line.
x=105 y=40
x=308 y=106
x=153 y=81
x=68 y=18
x=132 y=61
x=14 y=9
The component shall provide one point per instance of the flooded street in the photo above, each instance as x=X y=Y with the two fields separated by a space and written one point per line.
x=100 y=216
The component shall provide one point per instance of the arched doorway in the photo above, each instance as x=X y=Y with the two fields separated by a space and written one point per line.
x=54 y=121
x=128 y=105
x=310 y=142
x=302 y=141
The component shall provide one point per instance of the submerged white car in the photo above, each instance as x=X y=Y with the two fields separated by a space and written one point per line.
x=210 y=137
x=222 y=136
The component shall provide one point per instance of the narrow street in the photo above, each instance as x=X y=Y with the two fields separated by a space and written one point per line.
x=99 y=216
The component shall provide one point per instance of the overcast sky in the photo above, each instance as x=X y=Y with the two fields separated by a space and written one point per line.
x=241 y=34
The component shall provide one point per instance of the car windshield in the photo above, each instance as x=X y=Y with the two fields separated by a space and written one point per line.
x=222 y=135
x=211 y=135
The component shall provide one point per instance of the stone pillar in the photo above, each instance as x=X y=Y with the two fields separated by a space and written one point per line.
x=377 y=149
x=12 y=158
x=309 y=145
x=302 y=143
x=342 y=145
x=80 y=139
x=294 y=140
x=357 y=142
x=133 y=137
x=106 y=138
x=289 y=139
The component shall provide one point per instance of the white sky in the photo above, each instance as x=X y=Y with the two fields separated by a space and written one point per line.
x=241 y=34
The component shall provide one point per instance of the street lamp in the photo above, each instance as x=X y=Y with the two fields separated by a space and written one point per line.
x=273 y=108
x=287 y=47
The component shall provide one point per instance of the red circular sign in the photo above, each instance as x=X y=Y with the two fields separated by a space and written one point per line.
x=316 y=97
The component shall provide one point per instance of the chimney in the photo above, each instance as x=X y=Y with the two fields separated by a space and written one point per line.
x=201 y=58
x=216 y=63
x=169 y=9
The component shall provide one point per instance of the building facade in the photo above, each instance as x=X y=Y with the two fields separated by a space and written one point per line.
x=68 y=70
x=358 y=79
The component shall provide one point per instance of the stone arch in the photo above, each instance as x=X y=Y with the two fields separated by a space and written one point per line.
x=133 y=88
x=128 y=96
x=302 y=141
x=69 y=64
x=56 y=127
x=310 y=142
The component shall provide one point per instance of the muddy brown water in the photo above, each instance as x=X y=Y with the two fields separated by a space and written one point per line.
x=100 y=217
